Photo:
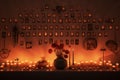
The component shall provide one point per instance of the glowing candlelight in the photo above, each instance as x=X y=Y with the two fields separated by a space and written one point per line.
x=107 y=64
x=11 y=64
x=35 y=62
x=51 y=65
x=11 y=61
x=48 y=63
x=75 y=62
x=30 y=66
x=2 y=66
x=86 y=62
x=117 y=66
x=104 y=61
x=3 y=63
x=33 y=65
x=47 y=66
x=22 y=62
x=95 y=62
x=82 y=62
x=15 y=63
x=113 y=66
x=110 y=64
x=26 y=61
x=30 y=62
x=100 y=62
x=1 y=70
x=91 y=61
x=109 y=61
x=78 y=63
x=8 y=63
x=19 y=63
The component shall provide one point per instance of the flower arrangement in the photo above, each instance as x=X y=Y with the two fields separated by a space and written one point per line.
x=59 y=50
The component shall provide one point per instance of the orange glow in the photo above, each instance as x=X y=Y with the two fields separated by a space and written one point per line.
x=34 y=54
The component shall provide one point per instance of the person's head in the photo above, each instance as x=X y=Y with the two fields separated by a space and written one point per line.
x=112 y=45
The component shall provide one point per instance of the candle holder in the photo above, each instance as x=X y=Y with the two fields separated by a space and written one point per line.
x=103 y=50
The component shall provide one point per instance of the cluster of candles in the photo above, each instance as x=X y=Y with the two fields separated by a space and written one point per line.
x=95 y=66
x=21 y=66
x=81 y=66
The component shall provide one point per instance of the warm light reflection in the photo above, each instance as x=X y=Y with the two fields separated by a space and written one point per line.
x=26 y=65
x=35 y=54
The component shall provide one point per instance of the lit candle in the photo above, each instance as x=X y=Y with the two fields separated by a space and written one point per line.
x=100 y=64
x=78 y=63
x=33 y=65
x=109 y=61
x=95 y=62
x=107 y=64
x=48 y=64
x=1 y=70
x=110 y=66
x=86 y=62
x=11 y=64
x=26 y=61
x=7 y=61
x=30 y=62
x=11 y=70
x=51 y=66
x=91 y=61
x=3 y=63
x=117 y=66
x=30 y=65
x=75 y=62
x=15 y=63
x=82 y=62
x=19 y=63
x=104 y=62
x=11 y=61
x=72 y=56
x=35 y=62
x=22 y=62
x=1 y=66
x=113 y=67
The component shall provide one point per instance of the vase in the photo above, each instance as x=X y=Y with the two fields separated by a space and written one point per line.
x=60 y=63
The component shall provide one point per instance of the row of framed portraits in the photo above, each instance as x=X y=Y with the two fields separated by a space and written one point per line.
x=61 y=34
x=88 y=43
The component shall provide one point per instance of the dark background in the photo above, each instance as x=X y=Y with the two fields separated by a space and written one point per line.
x=103 y=7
